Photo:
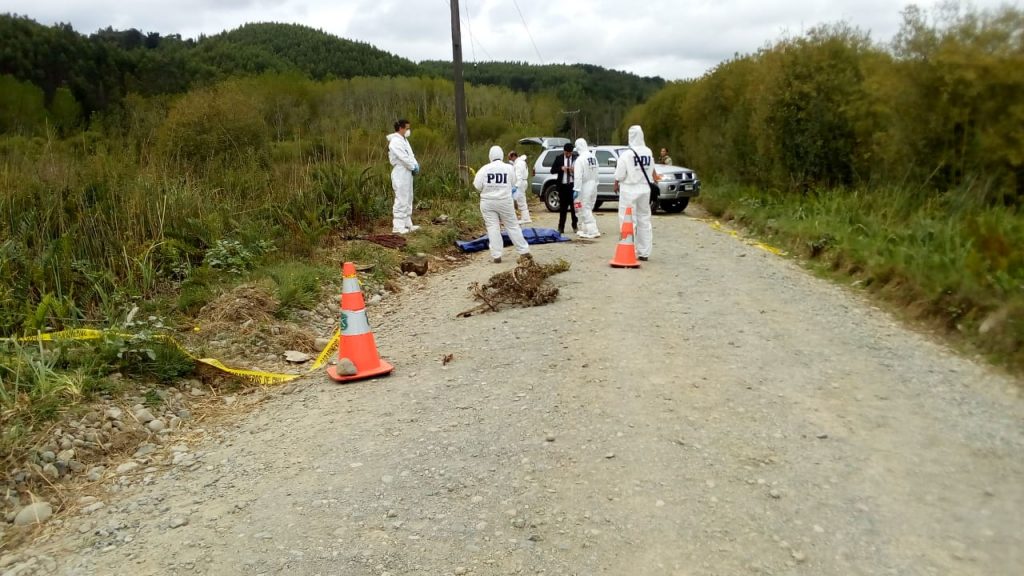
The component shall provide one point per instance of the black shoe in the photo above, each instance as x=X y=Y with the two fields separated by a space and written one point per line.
x=497 y=260
x=644 y=258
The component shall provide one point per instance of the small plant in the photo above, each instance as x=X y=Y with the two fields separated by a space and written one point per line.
x=152 y=399
x=143 y=355
x=192 y=297
x=298 y=285
x=234 y=257
x=33 y=391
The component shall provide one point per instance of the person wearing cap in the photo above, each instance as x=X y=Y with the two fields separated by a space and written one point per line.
x=562 y=167
x=494 y=181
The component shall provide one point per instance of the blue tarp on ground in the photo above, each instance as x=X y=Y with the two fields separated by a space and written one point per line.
x=532 y=236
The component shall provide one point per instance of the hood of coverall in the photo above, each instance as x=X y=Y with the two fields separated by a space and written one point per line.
x=581 y=146
x=394 y=135
x=636 y=136
x=495 y=153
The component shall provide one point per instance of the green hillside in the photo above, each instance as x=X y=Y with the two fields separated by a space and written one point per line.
x=92 y=73
x=256 y=48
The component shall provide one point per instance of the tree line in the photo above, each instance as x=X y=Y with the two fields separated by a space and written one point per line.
x=55 y=75
x=938 y=108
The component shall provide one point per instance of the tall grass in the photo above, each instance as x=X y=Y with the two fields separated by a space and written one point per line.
x=38 y=384
x=92 y=231
x=949 y=259
x=133 y=207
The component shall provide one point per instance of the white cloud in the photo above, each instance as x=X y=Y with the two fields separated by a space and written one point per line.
x=669 y=38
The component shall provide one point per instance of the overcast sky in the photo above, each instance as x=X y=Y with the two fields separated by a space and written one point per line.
x=669 y=38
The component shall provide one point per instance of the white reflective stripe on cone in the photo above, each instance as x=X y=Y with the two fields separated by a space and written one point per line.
x=628 y=239
x=350 y=285
x=354 y=323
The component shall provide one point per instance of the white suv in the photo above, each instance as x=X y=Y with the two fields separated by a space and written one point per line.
x=678 y=184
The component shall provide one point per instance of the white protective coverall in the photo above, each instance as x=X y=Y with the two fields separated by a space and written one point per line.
x=522 y=189
x=404 y=162
x=494 y=181
x=585 y=187
x=634 y=190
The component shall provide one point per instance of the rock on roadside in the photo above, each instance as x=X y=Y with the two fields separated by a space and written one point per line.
x=35 y=513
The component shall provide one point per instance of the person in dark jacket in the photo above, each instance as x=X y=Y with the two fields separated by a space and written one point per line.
x=562 y=167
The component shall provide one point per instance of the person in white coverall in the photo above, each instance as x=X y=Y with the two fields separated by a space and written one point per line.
x=585 y=189
x=522 y=186
x=633 y=188
x=405 y=167
x=495 y=182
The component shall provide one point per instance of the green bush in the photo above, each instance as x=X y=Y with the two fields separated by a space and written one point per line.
x=215 y=127
x=65 y=111
x=22 y=108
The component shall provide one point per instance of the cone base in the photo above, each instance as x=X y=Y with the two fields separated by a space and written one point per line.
x=615 y=264
x=381 y=370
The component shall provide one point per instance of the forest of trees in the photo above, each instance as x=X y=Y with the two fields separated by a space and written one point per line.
x=79 y=75
x=940 y=108
x=601 y=95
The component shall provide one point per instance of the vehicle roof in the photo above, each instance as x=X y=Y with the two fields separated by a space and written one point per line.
x=597 y=147
x=545 y=141
x=615 y=147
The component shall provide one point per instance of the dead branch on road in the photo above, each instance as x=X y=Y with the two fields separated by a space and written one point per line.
x=524 y=286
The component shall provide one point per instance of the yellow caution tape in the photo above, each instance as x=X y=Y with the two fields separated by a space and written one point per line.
x=255 y=376
x=716 y=225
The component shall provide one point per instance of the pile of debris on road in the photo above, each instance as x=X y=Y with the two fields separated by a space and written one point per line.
x=523 y=286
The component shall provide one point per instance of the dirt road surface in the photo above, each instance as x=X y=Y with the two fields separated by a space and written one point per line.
x=718 y=412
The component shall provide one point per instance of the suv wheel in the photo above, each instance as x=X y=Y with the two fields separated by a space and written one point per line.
x=675 y=206
x=551 y=198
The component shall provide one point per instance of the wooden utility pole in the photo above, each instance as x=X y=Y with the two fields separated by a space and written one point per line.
x=572 y=116
x=460 y=92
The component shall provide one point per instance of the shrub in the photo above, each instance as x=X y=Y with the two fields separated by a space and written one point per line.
x=214 y=127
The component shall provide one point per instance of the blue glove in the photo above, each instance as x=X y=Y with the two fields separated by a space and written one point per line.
x=514 y=190
x=416 y=170
x=575 y=194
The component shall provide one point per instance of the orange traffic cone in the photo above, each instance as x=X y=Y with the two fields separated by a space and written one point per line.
x=625 y=252
x=356 y=344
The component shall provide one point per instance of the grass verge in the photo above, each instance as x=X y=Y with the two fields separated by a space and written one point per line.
x=951 y=262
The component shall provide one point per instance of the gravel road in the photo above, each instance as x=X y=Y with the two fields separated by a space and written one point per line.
x=719 y=411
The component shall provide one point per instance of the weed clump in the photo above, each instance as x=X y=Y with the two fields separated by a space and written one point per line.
x=524 y=286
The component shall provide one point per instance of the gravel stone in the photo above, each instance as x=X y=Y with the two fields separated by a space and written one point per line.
x=35 y=513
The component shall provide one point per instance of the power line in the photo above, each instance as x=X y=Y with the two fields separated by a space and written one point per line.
x=473 y=42
x=469 y=28
x=535 y=49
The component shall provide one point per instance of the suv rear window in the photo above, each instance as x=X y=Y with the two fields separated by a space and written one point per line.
x=549 y=158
